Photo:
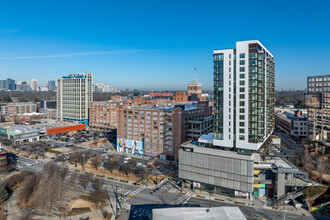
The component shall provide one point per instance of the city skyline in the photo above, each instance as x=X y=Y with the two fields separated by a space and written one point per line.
x=156 y=45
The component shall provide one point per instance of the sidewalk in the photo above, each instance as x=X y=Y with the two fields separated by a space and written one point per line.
x=13 y=211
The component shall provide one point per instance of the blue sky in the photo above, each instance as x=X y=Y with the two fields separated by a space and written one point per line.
x=156 y=44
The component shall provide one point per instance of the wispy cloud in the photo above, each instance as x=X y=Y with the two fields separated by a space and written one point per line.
x=8 y=31
x=69 y=54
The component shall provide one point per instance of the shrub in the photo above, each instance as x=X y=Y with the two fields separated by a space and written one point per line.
x=77 y=170
x=99 y=175
x=110 y=178
x=85 y=197
x=124 y=181
x=3 y=193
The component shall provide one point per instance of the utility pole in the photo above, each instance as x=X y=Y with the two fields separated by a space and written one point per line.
x=83 y=155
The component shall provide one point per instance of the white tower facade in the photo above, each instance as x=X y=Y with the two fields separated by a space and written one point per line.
x=244 y=96
x=74 y=93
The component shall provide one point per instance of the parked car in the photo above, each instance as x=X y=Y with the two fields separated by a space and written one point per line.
x=29 y=164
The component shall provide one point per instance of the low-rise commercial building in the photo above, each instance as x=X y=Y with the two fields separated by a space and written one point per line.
x=293 y=122
x=265 y=173
x=31 y=133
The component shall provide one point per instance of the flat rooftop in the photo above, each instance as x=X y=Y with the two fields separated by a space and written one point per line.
x=196 y=213
x=43 y=125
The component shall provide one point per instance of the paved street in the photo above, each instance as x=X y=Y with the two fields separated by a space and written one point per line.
x=36 y=167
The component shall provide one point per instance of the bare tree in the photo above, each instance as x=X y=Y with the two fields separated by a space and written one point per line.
x=84 y=180
x=97 y=196
x=141 y=172
x=26 y=214
x=96 y=162
x=28 y=188
x=3 y=192
x=97 y=183
x=320 y=169
x=306 y=158
x=112 y=164
x=127 y=167
x=73 y=179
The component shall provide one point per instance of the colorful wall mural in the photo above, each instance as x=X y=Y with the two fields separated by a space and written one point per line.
x=130 y=146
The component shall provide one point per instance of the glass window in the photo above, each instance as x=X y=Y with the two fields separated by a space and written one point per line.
x=242 y=55
x=242 y=62
x=242 y=83
x=242 y=69
x=242 y=76
x=242 y=137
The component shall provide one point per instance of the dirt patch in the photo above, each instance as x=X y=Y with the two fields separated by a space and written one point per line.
x=81 y=203
x=63 y=149
x=2 y=216
x=96 y=143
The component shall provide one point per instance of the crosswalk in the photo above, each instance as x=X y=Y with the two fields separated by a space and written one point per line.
x=181 y=200
x=131 y=194
x=168 y=188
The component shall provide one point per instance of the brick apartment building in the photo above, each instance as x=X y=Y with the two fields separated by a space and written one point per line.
x=17 y=108
x=103 y=115
x=157 y=130
x=17 y=111
x=3 y=162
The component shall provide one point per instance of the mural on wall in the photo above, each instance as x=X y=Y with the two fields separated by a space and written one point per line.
x=130 y=146
x=121 y=145
x=134 y=146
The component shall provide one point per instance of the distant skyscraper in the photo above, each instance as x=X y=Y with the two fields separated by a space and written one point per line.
x=7 y=84
x=74 y=93
x=26 y=86
x=34 y=84
x=51 y=85
x=244 y=96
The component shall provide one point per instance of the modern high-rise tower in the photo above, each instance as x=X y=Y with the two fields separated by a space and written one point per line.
x=51 y=85
x=74 y=93
x=244 y=96
x=34 y=84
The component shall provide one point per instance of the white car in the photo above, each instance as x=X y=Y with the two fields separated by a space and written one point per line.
x=38 y=161
x=127 y=158
x=29 y=164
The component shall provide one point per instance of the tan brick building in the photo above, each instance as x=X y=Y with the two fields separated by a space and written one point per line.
x=103 y=115
x=160 y=130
